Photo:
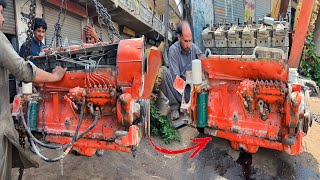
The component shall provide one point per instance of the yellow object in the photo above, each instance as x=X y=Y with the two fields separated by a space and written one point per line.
x=297 y=15
x=275 y=9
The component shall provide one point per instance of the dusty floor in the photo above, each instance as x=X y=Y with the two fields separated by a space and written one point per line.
x=216 y=161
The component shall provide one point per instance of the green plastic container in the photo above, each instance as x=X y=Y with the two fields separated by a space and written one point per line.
x=202 y=110
x=34 y=110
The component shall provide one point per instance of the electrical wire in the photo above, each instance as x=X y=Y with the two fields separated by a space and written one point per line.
x=69 y=146
x=40 y=142
x=96 y=117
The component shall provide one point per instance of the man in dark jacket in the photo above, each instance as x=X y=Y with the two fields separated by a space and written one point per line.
x=39 y=32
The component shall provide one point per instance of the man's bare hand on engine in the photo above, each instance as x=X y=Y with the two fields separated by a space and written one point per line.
x=42 y=76
x=59 y=72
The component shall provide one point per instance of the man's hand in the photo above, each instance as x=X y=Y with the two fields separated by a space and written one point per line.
x=46 y=77
x=59 y=72
x=91 y=32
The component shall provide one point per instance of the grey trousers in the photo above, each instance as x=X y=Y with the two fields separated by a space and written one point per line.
x=168 y=90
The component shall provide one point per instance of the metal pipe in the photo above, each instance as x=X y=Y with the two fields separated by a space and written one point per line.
x=165 y=50
x=183 y=2
x=317 y=35
x=90 y=106
x=33 y=115
x=202 y=110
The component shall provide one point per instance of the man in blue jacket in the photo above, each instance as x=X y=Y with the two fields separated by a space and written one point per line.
x=39 y=32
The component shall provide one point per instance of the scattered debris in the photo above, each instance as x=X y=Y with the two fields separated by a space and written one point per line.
x=316 y=117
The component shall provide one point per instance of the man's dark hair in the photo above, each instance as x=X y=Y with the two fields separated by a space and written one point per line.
x=39 y=22
x=179 y=28
x=3 y=3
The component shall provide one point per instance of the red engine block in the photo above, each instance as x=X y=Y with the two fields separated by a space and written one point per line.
x=117 y=91
x=252 y=104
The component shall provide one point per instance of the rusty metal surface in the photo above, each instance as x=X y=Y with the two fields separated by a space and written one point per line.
x=130 y=66
x=88 y=147
x=154 y=62
x=79 y=78
x=70 y=6
x=113 y=89
x=179 y=84
x=252 y=104
x=240 y=69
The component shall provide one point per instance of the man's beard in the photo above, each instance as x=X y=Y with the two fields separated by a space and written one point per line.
x=186 y=50
x=39 y=39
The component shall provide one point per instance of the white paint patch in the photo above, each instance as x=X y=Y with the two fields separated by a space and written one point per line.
x=169 y=157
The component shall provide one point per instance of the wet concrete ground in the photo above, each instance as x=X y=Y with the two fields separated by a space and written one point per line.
x=216 y=161
x=266 y=164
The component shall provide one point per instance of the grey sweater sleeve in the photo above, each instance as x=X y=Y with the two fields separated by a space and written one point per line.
x=9 y=59
x=199 y=54
x=174 y=62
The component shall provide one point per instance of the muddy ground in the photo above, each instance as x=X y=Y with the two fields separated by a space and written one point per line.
x=216 y=161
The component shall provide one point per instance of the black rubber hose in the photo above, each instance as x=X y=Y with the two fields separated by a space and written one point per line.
x=94 y=123
x=96 y=117
x=74 y=138
x=27 y=128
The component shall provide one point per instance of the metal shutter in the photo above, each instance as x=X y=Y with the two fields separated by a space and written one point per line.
x=9 y=15
x=219 y=11
x=238 y=10
x=102 y=33
x=202 y=15
x=71 y=29
x=229 y=10
x=263 y=7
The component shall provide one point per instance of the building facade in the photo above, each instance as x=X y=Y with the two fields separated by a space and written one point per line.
x=132 y=18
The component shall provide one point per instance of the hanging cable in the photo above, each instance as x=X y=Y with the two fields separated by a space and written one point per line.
x=106 y=18
x=153 y=13
x=44 y=144
x=68 y=146
x=58 y=28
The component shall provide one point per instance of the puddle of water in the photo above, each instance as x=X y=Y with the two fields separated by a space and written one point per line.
x=245 y=160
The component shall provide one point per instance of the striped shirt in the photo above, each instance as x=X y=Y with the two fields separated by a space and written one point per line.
x=180 y=61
